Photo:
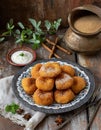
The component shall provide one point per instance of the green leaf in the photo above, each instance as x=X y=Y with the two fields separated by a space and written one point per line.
x=5 y=33
x=37 y=41
x=47 y=25
x=33 y=22
x=52 y=27
x=18 y=41
x=12 y=27
x=12 y=108
x=17 y=32
x=34 y=36
x=57 y=24
x=8 y=108
x=29 y=32
x=35 y=45
x=21 y=25
x=11 y=21
x=21 y=54
x=8 y=26
x=38 y=24
x=23 y=35
x=2 y=39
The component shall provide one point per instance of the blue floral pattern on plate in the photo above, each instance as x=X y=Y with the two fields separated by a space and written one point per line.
x=55 y=107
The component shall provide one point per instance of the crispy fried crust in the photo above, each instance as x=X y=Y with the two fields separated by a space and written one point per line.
x=35 y=71
x=45 y=84
x=64 y=96
x=50 y=70
x=68 y=69
x=63 y=81
x=79 y=84
x=43 y=98
x=28 y=85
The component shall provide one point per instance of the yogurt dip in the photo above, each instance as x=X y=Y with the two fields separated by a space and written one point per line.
x=21 y=57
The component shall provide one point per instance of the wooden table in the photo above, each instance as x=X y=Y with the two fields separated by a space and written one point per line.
x=79 y=122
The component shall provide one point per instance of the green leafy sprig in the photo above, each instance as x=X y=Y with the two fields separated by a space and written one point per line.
x=12 y=108
x=21 y=54
x=38 y=35
x=23 y=34
x=36 y=25
x=9 y=30
x=34 y=35
x=26 y=35
x=52 y=27
x=36 y=40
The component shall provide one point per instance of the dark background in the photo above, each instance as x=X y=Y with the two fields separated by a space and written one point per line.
x=21 y=10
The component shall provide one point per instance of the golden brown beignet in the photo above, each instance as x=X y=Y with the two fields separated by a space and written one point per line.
x=50 y=70
x=64 y=96
x=78 y=85
x=28 y=85
x=63 y=81
x=43 y=98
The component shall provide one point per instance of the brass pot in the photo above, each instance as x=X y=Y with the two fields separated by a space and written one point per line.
x=82 y=42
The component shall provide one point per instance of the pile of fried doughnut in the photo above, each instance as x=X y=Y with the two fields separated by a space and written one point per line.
x=52 y=82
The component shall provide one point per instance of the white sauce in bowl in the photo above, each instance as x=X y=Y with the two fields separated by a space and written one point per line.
x=21 y=57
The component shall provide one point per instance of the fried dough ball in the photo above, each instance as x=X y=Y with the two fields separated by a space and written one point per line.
x=63 y=81
x=79 y=84
x=64 y=96
x=43 y=98
x=28 y=85
x=45 y=84
x=68 y=69
x=35 y=70
x=50 y=69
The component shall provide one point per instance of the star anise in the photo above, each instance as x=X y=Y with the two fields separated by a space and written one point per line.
x=27 y=116
x=59 y=120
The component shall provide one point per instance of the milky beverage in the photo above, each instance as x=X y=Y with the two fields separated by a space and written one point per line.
x=88 y=24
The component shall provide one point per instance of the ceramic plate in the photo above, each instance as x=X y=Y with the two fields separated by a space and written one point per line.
x=82 y=98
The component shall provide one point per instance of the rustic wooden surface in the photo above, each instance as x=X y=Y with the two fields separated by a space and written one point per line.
x=93 y=63
x=41 y=10
x=21 y=10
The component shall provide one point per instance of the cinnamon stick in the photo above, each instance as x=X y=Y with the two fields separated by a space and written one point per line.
x=59 y=47
x=64 y=50
x=53 y=48
x=50 y=42
x=47 y=48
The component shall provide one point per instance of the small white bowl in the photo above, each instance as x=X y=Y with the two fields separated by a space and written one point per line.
x=27 y=49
